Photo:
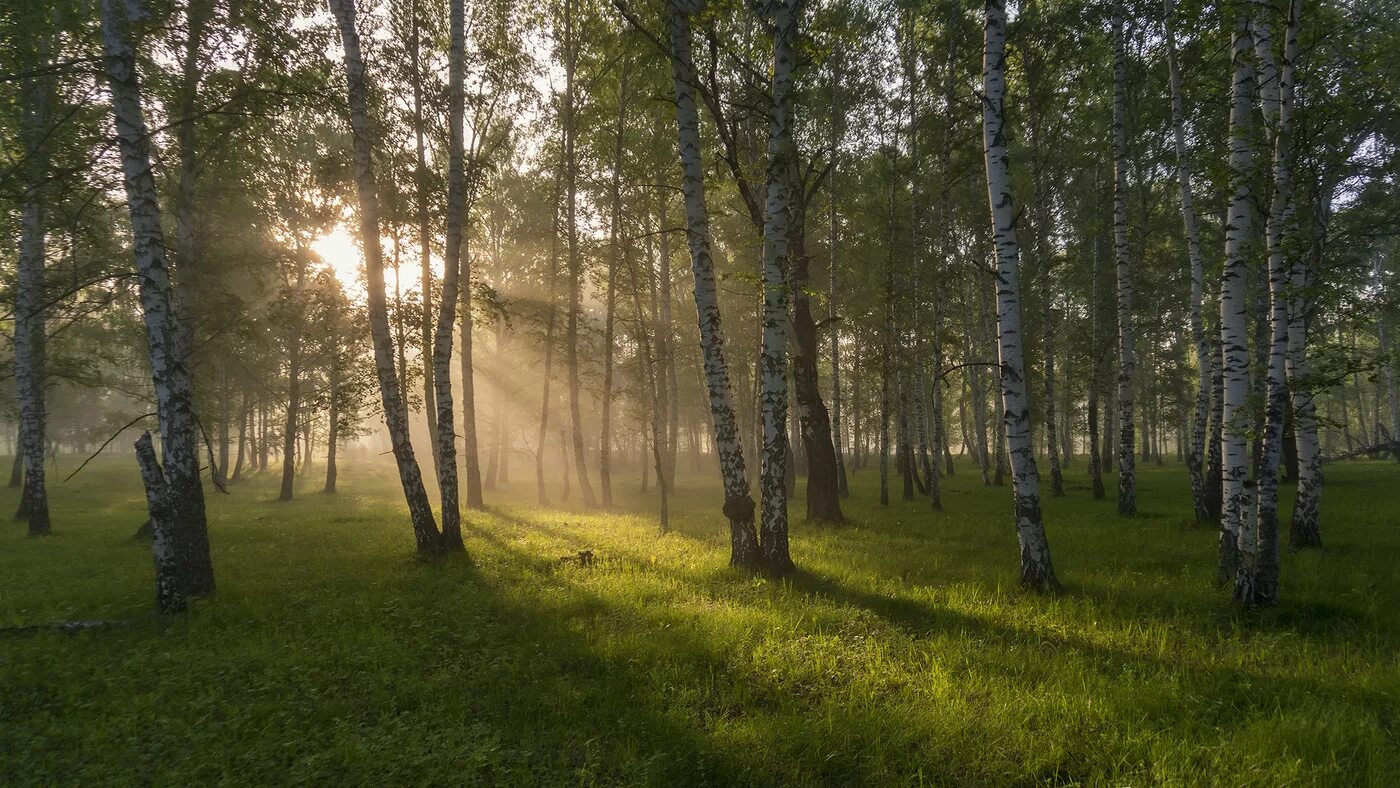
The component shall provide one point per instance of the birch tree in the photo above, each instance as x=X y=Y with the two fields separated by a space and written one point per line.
x=1304 y=528
x=445 y=443
x=1234 y=295
x=738 y=503
x=177 y=499
x=420 y=206
x=571 y=331
x=836 y=131
x=425 y=531
x=1127 y=478
x=614 y=266
x=31 y=326
x=1195 y=454
x=773 y=528
x=1037 y=572
x=1258 y=577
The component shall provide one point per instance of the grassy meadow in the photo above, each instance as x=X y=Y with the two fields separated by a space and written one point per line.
x=901 y=653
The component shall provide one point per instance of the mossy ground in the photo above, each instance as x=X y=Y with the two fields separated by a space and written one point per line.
x=902 y=652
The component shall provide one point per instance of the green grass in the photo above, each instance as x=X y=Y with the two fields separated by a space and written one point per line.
x=901 y=653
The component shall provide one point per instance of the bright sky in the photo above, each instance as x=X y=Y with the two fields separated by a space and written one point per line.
x=340 y=250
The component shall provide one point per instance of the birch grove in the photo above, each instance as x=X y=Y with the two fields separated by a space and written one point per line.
x=319 y=214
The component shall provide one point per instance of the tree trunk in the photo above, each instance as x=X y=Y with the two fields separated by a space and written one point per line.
x=1258 y=578
x=244 y=405
x=1233 y=307
x=31 y=328
x=1037 y=572
x=170 y=585
x=290 y=424
x=773 y=523
x=1095 y=365
x=1304 y=531
x=541 y=493
x=1204 y=357
x=429 y=540
x=886 y=357
x=738 y=504
x=1127 y=476
x=667 y=380
x=220 y=471
x=291 y=421
x=446 y=443
x=183 y=494
x=333 y=431
x=999 y=467
x=420 y=195
x=614 y=233
x=814 y=425
x=836 y=130
x=976 y=389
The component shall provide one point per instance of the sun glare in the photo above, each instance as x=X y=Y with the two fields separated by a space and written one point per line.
x=339 y=250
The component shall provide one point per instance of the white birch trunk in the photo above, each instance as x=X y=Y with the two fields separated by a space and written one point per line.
x=1037 y=572
x=1234 y=296
x=1258 y=578
x=1304 y=529
x=170 y=595
x=425 y=531
x=171 y=374
x=445 y=441
x=1127 y=476
x=30 y=325
x=773 y=523
x=738 y=503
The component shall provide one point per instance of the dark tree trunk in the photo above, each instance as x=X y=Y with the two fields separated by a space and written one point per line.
x=333 y=431
x=823 y=469
x=290 y=423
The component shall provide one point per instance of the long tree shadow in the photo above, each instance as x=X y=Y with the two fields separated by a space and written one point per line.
x=544 y=666
x=923 y=619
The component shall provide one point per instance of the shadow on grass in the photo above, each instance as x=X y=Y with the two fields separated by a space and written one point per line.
x=923 y=619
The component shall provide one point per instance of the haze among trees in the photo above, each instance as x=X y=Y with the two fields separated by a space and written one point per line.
x=788 y=332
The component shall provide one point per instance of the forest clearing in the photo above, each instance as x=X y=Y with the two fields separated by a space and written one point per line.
x=901 y=653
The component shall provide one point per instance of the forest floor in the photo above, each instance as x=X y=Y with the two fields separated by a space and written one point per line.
x=902 y=652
